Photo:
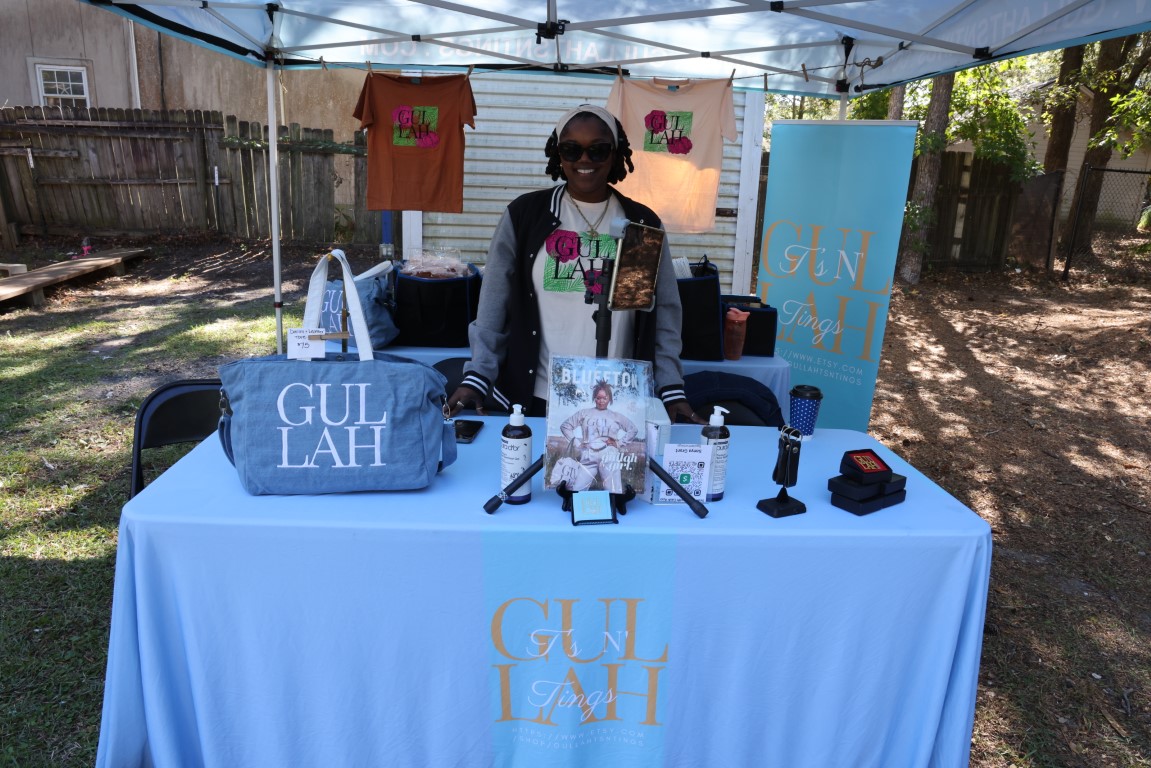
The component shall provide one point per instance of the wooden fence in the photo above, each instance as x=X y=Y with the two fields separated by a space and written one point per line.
x=974 y=210
x=111 y=171
x=106 y=171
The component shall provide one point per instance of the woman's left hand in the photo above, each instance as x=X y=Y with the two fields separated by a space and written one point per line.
x=680 y=412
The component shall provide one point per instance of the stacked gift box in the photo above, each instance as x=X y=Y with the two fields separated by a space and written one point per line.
x=866 y=483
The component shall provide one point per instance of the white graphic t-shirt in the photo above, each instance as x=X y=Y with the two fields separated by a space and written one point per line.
x=570 y=258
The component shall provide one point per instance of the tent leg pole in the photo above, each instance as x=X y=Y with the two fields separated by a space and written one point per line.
x=843 y=106
x=274 y=200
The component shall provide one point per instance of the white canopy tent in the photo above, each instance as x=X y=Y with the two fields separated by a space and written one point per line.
x=810 y=47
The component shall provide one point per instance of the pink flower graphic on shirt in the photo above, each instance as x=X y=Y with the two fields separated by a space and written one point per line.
x=679 y=146
x=655 y=121
x=429 y=140
x=563 y=245
x=591 y=281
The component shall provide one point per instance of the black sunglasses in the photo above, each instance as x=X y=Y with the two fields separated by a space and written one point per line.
x=571 y=152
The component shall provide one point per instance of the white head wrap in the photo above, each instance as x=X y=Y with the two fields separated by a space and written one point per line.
x=599 y=112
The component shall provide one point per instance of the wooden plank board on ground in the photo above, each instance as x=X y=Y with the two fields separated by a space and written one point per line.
x=33 y=283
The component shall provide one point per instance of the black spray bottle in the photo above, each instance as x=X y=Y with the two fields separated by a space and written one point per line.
x=516 y=455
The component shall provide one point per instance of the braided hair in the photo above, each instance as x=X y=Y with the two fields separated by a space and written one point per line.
x=621 y=156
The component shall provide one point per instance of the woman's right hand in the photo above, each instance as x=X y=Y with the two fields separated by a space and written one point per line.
x=465 y=397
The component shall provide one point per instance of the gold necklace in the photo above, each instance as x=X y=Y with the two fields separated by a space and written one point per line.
x=591 y=227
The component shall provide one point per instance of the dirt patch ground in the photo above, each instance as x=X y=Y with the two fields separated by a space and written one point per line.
x=1024 y=396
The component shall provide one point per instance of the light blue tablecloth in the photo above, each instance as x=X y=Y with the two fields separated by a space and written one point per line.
x=413 y=629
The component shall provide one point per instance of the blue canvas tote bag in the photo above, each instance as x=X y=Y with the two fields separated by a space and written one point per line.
x=372 y=422
x=374 y=288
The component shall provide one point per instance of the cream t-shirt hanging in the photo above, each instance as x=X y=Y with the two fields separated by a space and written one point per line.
x=676 y=129
x=416 y=140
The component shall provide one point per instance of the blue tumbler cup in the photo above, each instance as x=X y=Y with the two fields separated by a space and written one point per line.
x=805 y=400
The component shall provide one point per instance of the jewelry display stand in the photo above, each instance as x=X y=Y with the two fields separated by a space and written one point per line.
x=785 y=473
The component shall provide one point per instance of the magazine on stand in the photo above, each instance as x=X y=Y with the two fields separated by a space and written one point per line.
x=596 y=424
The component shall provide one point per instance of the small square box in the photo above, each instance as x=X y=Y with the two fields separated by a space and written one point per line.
x=867 y=506
x=865 y=466
x=853 y=489
x=896 y=483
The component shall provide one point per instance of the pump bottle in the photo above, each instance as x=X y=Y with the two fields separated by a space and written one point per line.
x=516 y=455
x=718 y=436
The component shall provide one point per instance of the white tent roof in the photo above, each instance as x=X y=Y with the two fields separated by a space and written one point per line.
x=812 y=47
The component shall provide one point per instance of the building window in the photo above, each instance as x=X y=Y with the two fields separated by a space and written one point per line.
x=62 y=86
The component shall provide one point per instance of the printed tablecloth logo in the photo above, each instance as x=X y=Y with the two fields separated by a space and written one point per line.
x=569 y=661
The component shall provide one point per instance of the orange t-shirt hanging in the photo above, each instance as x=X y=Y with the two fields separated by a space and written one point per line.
x=416 y=140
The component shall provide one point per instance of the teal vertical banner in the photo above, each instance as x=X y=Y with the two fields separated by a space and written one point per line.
x=831 y=224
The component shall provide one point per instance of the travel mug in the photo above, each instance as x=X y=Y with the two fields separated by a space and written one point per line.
x=804 y=402
x=734 y=333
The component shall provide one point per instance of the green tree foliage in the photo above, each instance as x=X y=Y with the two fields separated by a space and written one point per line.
x=870 y=106
x=985 y=113
x=787 y=106
x=1131 y=116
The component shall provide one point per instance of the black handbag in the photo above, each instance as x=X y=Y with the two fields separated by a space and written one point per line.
x=436 y=312
x=702 y=328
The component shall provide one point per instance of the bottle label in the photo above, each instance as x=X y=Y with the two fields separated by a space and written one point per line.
x=718 y=467
x=515 y=458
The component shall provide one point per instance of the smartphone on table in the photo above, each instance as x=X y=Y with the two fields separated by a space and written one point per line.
x=467 y=429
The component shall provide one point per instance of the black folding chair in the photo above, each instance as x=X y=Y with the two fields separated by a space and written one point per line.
x=181 y=411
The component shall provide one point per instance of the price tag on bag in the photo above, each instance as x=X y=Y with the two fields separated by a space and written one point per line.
x=302 y=347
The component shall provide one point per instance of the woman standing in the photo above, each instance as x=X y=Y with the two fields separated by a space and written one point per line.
x=548 y=247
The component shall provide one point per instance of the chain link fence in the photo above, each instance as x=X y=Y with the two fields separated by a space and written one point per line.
x=1109 y=202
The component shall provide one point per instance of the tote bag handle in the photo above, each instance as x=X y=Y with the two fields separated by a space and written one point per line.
x=315 y=303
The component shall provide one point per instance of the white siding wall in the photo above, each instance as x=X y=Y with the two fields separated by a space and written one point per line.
x=504 y=158
x=1113 y=203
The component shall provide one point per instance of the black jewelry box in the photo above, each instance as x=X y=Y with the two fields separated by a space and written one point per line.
x=867 y=506
x=853 y=489
x=864 y=466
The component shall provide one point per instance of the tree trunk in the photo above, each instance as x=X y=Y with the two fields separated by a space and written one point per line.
x=1062 y=110
x=933 y=142
x=1120 y=64
x=895 y=102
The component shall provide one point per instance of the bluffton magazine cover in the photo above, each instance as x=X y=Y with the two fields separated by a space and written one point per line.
x=596 y=424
